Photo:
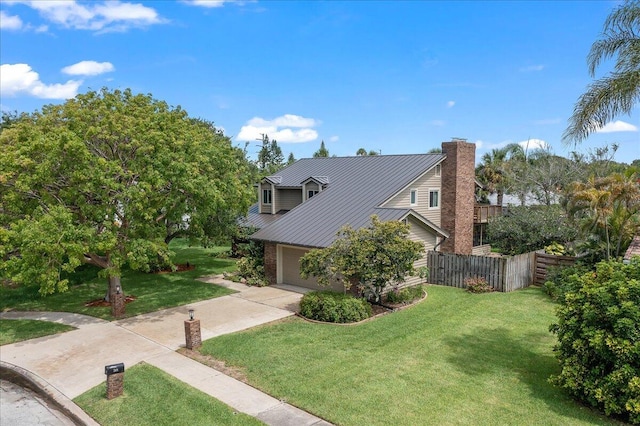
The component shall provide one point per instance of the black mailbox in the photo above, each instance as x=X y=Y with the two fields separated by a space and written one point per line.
x=114 y=368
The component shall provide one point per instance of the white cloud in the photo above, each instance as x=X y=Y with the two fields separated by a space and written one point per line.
x=287 y=128
x=18 y=79
x=532 y=144
x=88 y=68
x=8 y=22
x=101 y=17
x=532 y=68
x=479 y=144
x=334 y=139
x=450 y=104
x=617 y=126
x=206 y=3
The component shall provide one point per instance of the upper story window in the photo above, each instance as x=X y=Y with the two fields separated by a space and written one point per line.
x=434 y=199
x=438 y=170
x=414 y=197
x=266 y=196
x=311 y=193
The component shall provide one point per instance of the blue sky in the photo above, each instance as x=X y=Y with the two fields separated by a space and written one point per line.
x=395 y=77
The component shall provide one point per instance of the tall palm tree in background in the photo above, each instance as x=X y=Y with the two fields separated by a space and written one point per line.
x=491 y=172
x=618 y=92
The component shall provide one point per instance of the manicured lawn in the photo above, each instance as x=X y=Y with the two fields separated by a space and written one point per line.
x=12 y=331
x=152 y=291
x=456 y=358
x=152 y=397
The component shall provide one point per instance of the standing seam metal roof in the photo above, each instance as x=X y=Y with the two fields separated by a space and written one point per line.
x=358 y=186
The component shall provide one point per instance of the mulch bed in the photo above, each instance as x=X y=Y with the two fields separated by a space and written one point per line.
x=102 y=302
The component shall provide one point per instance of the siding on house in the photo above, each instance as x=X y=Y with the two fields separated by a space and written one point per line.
x=420 y=234
x=425 y=183
x=287 y=199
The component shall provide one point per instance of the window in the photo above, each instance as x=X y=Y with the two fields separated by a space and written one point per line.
x=414 y=197
x=434 y=201
x=311 y=193
x=438 y=170
x=266 y=196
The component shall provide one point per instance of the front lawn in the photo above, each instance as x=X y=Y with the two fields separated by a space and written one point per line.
x=152 y=397
x=455 y=358
x=152 y=291
x=12 y=331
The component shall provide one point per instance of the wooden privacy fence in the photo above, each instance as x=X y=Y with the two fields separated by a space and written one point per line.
x=545 y=261
x=502 y=273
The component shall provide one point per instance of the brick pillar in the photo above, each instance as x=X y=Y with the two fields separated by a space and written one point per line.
x=117 y=305
x=458 y=185
x=115 y=385
x=192 y=333
x=271 y=263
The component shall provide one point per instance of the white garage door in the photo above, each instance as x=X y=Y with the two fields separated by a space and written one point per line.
x=291 y=271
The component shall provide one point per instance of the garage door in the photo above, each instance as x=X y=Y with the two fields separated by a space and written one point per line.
x=291 y=271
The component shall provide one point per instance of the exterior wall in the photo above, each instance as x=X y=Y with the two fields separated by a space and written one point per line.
x=458 y=184
x=309 y=186
x=270 y=263
x=289 y=270
x=266 y=208
x=423 y=185
x=420 y=234
x=288 y=199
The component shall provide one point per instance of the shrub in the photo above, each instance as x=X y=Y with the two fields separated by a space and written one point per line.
x=404 y=295
x=562 y=279
x=328 y=306
x=598 y=332
x=477 y=285
x=252 y=270
x=555 y=249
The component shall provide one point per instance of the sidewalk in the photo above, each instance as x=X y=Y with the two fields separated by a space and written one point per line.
x=73 y=362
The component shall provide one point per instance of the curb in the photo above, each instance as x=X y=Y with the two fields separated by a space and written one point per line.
x=45 y=390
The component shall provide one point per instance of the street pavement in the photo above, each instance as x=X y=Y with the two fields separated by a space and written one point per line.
x=71 y=363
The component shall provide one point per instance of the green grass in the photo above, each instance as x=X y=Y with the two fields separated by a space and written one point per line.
x=152 y=397
x=455 y=358
x=152 y=291
x=12 y=331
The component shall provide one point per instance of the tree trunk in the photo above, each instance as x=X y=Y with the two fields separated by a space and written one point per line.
x=113 y=284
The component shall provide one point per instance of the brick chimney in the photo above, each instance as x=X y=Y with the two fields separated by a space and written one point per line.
x=458 y=185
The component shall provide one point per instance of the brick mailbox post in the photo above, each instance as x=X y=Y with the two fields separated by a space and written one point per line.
x=115 y=380
x=192 y=331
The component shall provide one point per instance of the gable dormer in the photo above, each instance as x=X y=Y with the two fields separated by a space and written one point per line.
x=267 y=194
x=313 y=185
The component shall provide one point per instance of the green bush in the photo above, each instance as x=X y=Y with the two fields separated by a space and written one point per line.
x=328 y=306
x=598 y=334
x=477 y=285
x=562 y=279
x=404 y=295
x=252 y=270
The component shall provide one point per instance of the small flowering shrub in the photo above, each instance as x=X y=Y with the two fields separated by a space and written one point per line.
x=477 y=285
x=404 y=295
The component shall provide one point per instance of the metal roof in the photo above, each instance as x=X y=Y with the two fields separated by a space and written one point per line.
x=358 y=186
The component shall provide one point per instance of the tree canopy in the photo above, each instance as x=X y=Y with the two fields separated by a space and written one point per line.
x=619 y=91
x=322 y=151
x=104 y=179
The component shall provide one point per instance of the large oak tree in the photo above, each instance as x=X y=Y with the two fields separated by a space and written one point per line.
x=107 y=178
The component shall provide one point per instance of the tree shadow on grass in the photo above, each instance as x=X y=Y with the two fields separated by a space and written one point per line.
x=495 y=352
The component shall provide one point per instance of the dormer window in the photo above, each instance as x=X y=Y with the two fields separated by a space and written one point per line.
x=311 y=193
x=266 y=196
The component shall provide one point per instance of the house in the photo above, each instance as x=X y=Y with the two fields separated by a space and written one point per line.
x=305 y=204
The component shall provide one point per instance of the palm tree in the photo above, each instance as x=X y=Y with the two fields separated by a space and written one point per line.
x=491 y=172
x=618 y=92
x=609 y=208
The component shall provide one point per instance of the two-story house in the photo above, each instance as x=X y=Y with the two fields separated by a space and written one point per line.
x=305 y=204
